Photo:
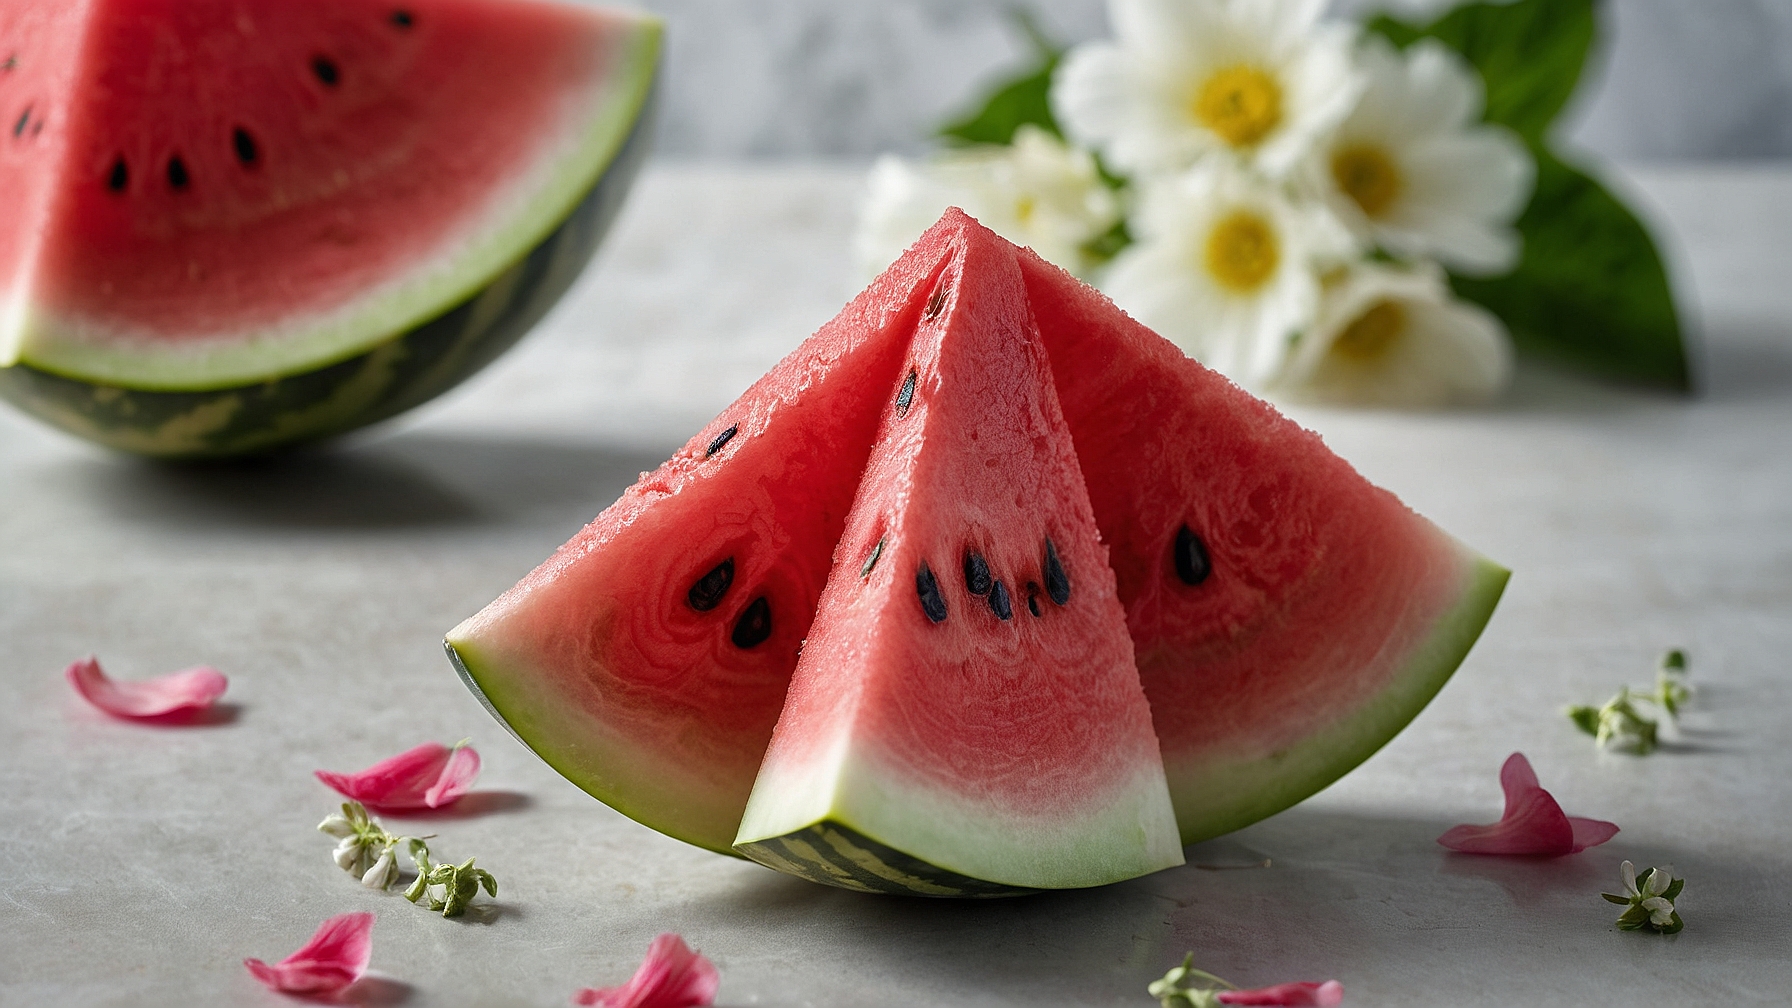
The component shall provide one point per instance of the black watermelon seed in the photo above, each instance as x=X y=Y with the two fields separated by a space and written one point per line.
x=935 y=304
x=998 y=601
x=976 y=574
x=326 y=71
x=1193 y=565
x=18 y=128
x=871 y=561
x=754 y=625
x=246 y=151
x=721 y=439
x=119 y=177
x=1033 y=598
x=906 y=395
x=707 y=593
x=1057 y=583
x=932 y=603
x=403 y=19
x=177 y=172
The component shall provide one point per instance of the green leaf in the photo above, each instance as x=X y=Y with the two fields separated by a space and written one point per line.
x=1612 y=898
x=1673 y=926
x=1673 y=891
x=1529 y=53
x=1017 y=101
x=1585 y=718
x=1590 y=290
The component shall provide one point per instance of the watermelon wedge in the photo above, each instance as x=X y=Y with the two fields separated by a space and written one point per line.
x=243 y=223
x=655 y=686
x=965 y=718
x=1286 y=617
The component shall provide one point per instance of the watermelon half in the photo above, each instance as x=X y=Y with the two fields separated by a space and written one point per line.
x=246 y=223
x=1286 y=617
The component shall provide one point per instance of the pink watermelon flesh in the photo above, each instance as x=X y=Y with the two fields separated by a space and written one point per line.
x=1322 y=612
x=600 y=660
x=967 y=693
x=1317 y=616
x=218 y=191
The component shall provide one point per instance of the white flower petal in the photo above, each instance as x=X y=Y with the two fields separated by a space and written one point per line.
x=1393 y=337
x=1628 y=871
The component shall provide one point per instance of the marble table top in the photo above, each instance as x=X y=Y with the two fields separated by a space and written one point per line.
x=139 y=865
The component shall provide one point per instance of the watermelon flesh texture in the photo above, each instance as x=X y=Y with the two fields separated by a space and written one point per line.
x=1297 y=652
x=221 y=192
x=967 y=695
x=602 y=662
x=1312 y=614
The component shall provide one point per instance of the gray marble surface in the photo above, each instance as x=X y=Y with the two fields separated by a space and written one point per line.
x=139 y=864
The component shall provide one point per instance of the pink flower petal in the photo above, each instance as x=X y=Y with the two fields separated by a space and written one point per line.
x=672 y=976
x=456 y=778
x=428 y=776
x=335 y=957
x=1532 y=824
x=1324 y=995
x=146 y=698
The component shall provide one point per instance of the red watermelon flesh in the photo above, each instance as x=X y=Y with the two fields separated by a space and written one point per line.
x=1313 y=614
x=1303 y=618
x=601 y=661
x=221 y=191
x=967 y=694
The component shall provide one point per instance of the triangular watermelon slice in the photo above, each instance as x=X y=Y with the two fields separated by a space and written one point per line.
x=647 y=659
x=1287 y=617
x=965 y=718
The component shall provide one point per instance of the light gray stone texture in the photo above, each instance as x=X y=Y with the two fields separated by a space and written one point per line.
x=140 y=864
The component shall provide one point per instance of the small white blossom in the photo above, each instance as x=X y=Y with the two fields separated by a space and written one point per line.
x=337 y=825
x=1415 y=169
x=1260 y=81
x=1387 y=336
x=380 y=875
x=1226 y=267
x=348 y=853
x=1036 y=192
x=1650 y=905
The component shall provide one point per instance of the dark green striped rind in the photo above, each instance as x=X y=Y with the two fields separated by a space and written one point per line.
x=406 y=371
x=837 y=855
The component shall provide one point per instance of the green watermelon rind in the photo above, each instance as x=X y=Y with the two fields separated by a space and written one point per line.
x=377 y=319
x=594 y=762
x=1228 y=797
x=401 y=373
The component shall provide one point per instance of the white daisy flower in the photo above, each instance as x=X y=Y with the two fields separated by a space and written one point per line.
x=1396 y=337
x=1038 y=192
x=1224 y=265
x=1415 y=169
x=1260 y=79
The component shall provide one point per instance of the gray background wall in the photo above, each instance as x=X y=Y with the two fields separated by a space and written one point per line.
x=851 y=78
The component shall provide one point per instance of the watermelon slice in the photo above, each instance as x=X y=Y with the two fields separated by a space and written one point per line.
x=965 y=718
x=655 y=685
x=1287 y=617
x=220 y=199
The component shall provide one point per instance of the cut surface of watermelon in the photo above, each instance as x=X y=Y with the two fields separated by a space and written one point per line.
x=224 y=192
x=1286 y=616
x=648 y=658
x=1289 y=617
x=966 y=695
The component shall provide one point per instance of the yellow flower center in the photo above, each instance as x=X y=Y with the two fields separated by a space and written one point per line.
x=1241 y=103
x=1373 y=332
x=1024 y=208
x=1242 y=251
x=1367 y=175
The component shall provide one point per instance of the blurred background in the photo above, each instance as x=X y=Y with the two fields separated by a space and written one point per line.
x=851 y=79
